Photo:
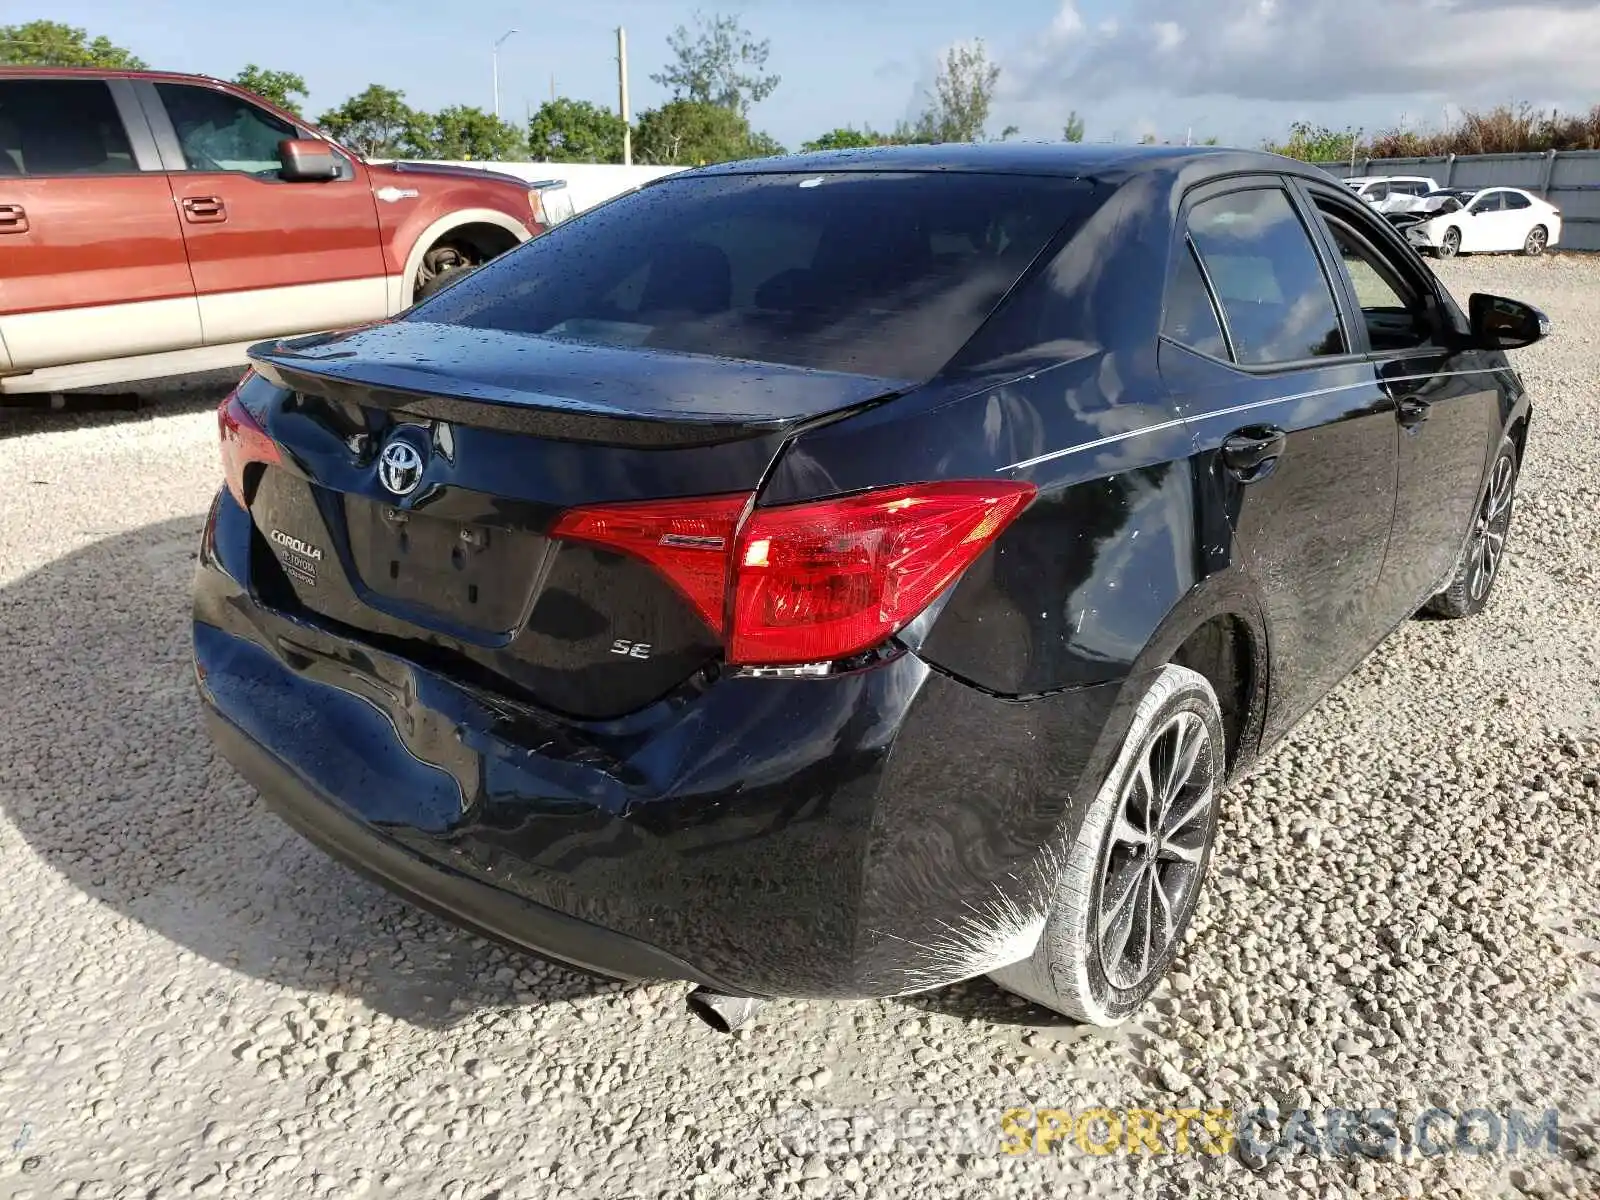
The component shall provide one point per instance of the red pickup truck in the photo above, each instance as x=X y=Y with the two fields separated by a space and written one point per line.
x=153 y=223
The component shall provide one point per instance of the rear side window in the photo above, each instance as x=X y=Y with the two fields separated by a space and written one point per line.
x=1274 y=295
x=1191 y=318
x=1516 y=200
x=882 y=273
x=61 y=127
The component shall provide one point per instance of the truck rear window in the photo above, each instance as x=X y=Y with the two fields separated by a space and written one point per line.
x=883 y=274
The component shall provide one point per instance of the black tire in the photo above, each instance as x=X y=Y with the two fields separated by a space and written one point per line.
x=441 y=266
x=1537 y=243
x=1473 y=583
x=442 y=280
x=1078 y=967
x=1450 y=243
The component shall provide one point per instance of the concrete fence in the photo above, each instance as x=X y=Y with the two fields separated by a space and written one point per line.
x=1569 y=179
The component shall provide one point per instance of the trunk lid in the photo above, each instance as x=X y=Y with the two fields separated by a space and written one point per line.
x=439 y=550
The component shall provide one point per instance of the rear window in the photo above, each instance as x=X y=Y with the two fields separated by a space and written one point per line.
x=884 y=274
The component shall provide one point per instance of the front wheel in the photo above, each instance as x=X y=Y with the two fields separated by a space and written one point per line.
x=440 y=267
x=1132 y=879
x=1450 y=244
x=1474 y=579
x=1538 y=242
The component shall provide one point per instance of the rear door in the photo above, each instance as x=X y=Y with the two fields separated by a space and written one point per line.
x=1292 y=426
x=269 y=257
x=92 y=262
x=1447 y=398
x=1519 y=218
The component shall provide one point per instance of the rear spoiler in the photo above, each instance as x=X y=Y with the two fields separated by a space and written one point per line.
x=560 y=390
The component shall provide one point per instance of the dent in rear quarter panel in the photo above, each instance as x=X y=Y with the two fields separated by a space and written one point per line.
x=1061 y=389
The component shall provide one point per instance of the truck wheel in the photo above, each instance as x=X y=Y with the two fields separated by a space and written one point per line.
x=1132 y=879
x=440 y=266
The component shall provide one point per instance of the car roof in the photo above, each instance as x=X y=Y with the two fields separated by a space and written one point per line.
x=1106 y=163
x=105 y=73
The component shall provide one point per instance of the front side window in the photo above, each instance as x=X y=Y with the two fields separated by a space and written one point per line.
x=871 y=273
x=1274 y=295
x=1391 y=309
x=219 y=132
x=1487 y=203
x=61 y=127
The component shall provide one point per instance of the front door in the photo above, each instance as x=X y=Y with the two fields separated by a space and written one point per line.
x=1446 y=397
x=1293 y=427
x=269 y=257
x=92 y=261
x=1483 y=229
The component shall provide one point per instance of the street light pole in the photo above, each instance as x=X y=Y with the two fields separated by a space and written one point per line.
x=494 y=57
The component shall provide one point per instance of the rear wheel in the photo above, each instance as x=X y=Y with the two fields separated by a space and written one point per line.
x=1538 y=241
x=1450 y=244
x=1469 y=591
x=1133 y=878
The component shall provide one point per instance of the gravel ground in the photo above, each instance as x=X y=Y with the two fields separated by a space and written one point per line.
x=1405 y=911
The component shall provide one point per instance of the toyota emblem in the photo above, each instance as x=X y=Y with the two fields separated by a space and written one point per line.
x=400 y=467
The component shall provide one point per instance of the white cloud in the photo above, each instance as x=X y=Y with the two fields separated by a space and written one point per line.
x=1308 y=51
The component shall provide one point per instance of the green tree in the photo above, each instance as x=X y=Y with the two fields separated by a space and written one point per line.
x=1316 y=143
x=277 y=87
x=1073 y=132
x=53 y=44
x=963 y=91
x=464 y=132
x=721 y=63
x=575 y=131
x=687 y=133
x=374 y=123
x=851 y=138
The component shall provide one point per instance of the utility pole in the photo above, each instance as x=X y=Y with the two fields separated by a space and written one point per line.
x=494 y=58
x=622 y=87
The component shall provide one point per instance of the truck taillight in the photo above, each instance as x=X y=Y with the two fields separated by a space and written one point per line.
x=809 y=582
x=243 y=441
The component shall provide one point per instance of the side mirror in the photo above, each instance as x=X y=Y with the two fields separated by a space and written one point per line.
x=1501 y=324
x=306 y=160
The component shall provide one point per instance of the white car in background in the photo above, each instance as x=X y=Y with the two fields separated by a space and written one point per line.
x=1455 y=221
x=1392 y=193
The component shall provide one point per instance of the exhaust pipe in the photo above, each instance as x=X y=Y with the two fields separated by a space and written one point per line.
x=722 y=1013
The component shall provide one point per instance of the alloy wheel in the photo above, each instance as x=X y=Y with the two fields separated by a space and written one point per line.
x=1150 y=875
x=1450 y=246
x=1538 y=239
x=1489 y=533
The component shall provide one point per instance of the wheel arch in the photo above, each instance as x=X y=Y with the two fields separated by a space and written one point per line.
x=1220 y=631
x=470 y=223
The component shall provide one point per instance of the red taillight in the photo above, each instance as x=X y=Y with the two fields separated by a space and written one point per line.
x=809 y=582
x=814 y=582
x=688 y=541
x=243 y=442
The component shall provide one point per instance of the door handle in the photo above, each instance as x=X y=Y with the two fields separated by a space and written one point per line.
x=13 y=219
x=1252 y=453
x=203 y=209
x=1412 y=411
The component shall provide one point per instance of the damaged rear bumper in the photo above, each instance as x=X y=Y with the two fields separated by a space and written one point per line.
x=867 y=834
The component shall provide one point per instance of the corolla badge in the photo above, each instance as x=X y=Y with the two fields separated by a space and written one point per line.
x=400 y=467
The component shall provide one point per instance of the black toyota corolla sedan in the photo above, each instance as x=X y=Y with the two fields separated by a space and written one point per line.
x=842 y=575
